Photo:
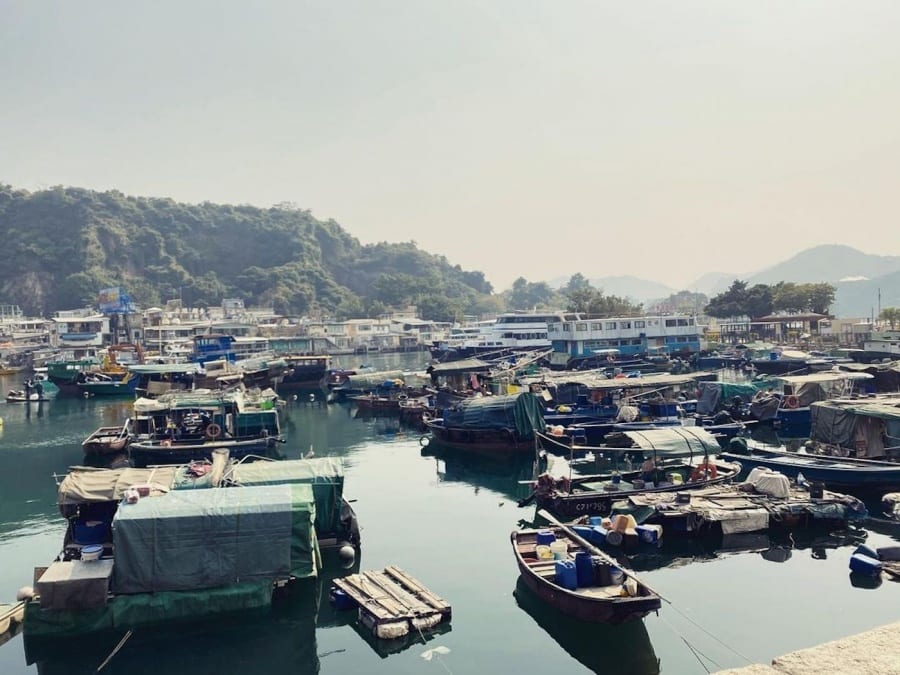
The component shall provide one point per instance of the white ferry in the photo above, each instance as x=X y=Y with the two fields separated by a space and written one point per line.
x=509 y=332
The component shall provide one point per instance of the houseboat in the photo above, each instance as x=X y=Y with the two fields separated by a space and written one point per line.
x=260 y=533
x=182 y=426
x=575 y=338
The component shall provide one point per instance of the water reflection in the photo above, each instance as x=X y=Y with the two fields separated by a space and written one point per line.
x=772 y=547
x=278 y=639
x=624 y=649
x=510 y=476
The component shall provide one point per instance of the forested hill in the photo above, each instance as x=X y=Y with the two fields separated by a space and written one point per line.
x=63 y=245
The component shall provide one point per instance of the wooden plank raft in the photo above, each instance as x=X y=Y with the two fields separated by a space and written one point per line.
x=392 y=603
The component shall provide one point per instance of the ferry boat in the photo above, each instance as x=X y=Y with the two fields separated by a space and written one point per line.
x=576 y=337
x=509 y=332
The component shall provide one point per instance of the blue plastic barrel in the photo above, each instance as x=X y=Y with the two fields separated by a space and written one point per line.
x=90 y=531
x=583 y=531
x=545 y=537
x=566 y=576
x=616 y=575
x=598 y=535
x=863 y=564
x=584 y=569
x=341 y=600
x=867 y=550
x=649 y=534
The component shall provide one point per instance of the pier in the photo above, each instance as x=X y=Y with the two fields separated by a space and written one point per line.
x=868 y=653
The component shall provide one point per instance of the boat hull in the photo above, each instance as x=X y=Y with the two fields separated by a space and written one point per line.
x=108 y=388
x=496 y=442
x=876 y=477
x=600 y=502
x=144 y=453
x=582 y=605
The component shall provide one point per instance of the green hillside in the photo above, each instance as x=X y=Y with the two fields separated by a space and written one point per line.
x=63 y=245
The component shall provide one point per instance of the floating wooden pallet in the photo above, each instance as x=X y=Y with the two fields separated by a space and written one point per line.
x=392 y=603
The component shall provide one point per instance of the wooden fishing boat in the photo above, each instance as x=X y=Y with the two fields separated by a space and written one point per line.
x=491 y=424
x=182 y=426
x=11 y=617
x=595 y=494
x=842 y=472
x=605 y=600
x=107 y=440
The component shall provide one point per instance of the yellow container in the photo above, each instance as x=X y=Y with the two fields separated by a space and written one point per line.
x=543 y=552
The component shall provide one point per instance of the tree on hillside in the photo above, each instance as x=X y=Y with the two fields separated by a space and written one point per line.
x=437 y=307
x=577 y=282
x=592 y=301
x=821 y=297
x=758 y=301
x=790 y=297
x=64 y=244
x=685 y=302
x=731 y=303
x=891 y=315
x=761 y=299
x=525 y=295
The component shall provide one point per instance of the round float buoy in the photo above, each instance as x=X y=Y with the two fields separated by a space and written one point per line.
x=347 y=554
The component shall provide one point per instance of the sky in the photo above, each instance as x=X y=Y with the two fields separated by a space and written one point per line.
x=517 y=137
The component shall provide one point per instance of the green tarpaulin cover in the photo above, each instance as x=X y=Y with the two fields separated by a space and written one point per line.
x=324 y=474
x=194 y=539
x=521 y=412
x=146 y=609
x=676 y=441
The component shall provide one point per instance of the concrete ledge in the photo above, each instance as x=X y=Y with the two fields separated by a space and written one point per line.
x=875 y=652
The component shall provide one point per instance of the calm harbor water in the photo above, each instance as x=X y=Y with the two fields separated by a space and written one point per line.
x=447 y=521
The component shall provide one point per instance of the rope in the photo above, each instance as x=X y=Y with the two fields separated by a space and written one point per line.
x=702 y=629
x=697 y=654
x=114 y=651
x=694 y=650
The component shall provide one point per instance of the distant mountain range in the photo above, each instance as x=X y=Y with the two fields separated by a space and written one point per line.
x=857 y=276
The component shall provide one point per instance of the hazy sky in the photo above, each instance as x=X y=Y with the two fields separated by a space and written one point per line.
x=533 y=138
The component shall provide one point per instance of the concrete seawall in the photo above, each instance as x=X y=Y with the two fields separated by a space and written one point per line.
x=874 y=652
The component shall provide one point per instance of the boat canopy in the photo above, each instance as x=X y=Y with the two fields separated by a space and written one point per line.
x=675 y=441
x=194 y=539
x=597 y=379
x=366 y=381
x=714 y=394
x=461 y=366
x=865 y=426
x=520 y=412
x=821 y=386
x=162 y=368
x=87 y=484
